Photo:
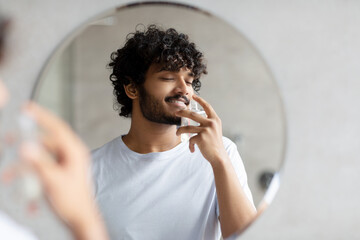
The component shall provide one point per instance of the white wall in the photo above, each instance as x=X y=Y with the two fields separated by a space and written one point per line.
x=313 y=49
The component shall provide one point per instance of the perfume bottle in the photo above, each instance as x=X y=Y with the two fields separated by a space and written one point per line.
x=17 y=178
x=197 y=108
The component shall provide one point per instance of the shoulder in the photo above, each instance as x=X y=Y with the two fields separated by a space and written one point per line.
x=232 y=150
x=103 y=158
x=106 y=148
x=104 y=155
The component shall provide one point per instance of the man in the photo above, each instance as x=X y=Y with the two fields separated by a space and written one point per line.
x=61 y=163
x=149 y=184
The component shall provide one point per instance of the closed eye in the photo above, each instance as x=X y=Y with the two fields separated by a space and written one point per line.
x=167 y=79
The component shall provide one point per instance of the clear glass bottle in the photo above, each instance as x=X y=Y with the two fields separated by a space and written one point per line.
x=197 y=108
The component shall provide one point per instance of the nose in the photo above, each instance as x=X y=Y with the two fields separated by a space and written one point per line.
x=181 y=87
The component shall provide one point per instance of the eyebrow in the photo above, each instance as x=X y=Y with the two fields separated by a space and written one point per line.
x=163 y=69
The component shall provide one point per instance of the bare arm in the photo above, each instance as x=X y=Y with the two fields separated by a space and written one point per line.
x=62 y=164
x=236 y=211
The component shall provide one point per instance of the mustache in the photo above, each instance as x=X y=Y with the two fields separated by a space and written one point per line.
x=177 y=97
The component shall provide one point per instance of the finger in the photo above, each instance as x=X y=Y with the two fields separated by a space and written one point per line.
x=188 y=129
x=192 y=115
x=45 y=118
x=192 y=147
x=193 y=140
x=48 y=142
x=40 y=160
x=65 y=142
x=210 y=112
x=50 y=145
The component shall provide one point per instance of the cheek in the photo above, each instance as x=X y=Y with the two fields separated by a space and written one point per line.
x=159 y=90
x=191 y=92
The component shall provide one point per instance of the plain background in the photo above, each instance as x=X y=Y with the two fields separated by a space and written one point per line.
x=313 y=50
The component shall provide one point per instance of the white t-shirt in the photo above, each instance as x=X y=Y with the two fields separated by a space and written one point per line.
x=160 y=195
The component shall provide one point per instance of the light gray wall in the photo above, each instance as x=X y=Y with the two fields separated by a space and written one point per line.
x=313 y=50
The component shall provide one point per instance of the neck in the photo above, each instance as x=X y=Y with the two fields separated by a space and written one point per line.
x=145 y=136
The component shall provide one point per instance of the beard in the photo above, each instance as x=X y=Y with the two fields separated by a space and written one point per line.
x=154 y=111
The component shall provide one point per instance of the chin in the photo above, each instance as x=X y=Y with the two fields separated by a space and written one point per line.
x=173 y=120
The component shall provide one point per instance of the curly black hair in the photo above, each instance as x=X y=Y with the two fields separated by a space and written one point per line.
x=168 y=48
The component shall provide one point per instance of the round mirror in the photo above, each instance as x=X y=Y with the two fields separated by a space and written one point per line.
x=239 y=85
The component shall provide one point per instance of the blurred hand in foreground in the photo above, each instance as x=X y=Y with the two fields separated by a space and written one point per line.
x=61 y=161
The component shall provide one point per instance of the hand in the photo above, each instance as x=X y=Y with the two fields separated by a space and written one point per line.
x=62 y=164
x=236 y=211
x=209 y=132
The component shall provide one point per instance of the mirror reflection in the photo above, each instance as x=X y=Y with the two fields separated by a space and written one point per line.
x=136 y=187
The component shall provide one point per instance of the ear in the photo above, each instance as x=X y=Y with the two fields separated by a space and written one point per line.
x=131 y=91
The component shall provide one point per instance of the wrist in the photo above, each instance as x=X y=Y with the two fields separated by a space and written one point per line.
x=220 y=161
